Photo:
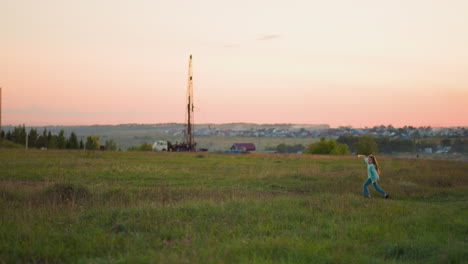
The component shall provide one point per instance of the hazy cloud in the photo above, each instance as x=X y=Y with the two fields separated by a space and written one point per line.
x=269 y=37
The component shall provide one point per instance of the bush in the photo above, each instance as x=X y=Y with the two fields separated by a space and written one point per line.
x=366 y=146
x=143 y=147
x=110 y=145
x=92 y=143
x=330 y=147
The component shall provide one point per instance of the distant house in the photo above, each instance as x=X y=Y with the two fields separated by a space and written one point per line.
x=427 y=150
x=243 y=147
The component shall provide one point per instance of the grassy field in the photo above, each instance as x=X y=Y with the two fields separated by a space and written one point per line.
x=144 y=207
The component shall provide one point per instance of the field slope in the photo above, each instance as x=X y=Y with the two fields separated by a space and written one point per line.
x=136 y=207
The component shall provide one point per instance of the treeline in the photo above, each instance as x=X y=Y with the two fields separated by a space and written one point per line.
x=372 y=145
x=395 y=145
x=47 y=140
x=324 y=146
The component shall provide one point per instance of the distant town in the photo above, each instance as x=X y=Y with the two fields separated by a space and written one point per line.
x=319 y=131
x=268 y=130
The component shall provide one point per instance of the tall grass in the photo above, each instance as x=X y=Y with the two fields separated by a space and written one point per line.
x=115 y=207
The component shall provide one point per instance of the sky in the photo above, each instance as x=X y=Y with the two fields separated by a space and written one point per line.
x=338 y=62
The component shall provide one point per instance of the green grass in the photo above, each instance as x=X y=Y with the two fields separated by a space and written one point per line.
x=123 y=207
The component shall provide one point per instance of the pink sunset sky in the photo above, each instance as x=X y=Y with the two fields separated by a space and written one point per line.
x=338 y=62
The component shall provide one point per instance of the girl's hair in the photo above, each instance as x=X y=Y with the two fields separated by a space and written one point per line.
x=374 y=160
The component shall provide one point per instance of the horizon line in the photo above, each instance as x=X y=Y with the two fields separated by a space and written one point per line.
x=231 y=123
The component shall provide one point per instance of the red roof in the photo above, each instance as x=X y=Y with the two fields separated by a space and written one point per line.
x=243 y=146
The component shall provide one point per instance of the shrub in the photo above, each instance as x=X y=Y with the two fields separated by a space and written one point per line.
x=330 y=147
x=366 y=146
x=143 y=147
x=92 y=143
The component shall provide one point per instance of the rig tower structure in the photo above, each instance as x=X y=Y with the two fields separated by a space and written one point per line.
x=189 y=139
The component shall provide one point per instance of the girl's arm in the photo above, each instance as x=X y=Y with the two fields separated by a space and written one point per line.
x=365 y=158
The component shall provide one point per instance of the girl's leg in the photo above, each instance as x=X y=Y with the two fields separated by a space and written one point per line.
x=366 y=191
x=379 y=189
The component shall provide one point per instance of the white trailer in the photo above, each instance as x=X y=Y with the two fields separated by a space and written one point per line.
x=160 y=146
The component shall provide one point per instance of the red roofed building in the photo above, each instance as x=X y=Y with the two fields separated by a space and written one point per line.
x=243 y=147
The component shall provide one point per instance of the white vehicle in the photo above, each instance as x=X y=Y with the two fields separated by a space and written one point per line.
x=160 y=146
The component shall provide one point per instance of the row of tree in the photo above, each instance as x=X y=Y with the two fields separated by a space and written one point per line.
x=50 y=141
x=366 y=145
x=394 y=145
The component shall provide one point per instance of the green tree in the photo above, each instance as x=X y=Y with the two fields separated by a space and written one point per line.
x=19 y=135
x=388 y=145
x=9 y=136
x=321 y=147
x=61 y=140
x=282 y=148
x=366 y=146
x=348 y=140
x=92 y=143
x=340 y=149
x=52 y=141
x=110 y=145
x=42 y=141
x=32 y=138
x=73 y=142
x=330 y=147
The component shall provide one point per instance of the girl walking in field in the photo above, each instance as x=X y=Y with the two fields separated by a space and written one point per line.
x=372 y=175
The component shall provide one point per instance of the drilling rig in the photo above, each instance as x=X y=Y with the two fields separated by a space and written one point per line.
x=189 y=140
x=189 y=143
